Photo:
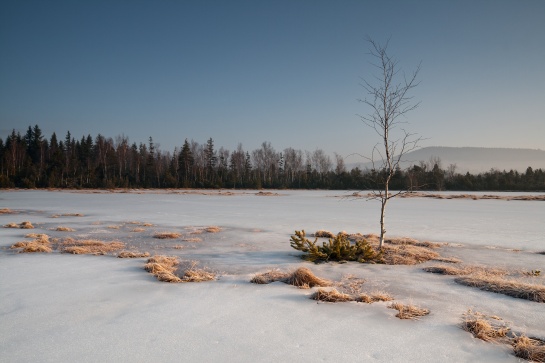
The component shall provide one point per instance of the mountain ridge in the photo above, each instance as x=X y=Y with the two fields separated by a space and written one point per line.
x=471 y=159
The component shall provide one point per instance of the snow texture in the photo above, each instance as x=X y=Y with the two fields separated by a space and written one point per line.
x=65 y=308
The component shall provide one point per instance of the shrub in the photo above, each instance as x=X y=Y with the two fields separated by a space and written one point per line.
x=338 y=248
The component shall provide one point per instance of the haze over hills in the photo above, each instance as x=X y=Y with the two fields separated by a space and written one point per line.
x=472 y=159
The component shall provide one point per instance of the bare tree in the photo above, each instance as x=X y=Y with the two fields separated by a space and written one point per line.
x=388 y=98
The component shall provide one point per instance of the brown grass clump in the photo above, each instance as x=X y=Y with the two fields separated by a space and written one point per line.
x=26 y=225
x=163 y=267
x=39 y=244
x=213 y=229
x=138 y=230
x=192 y=239
x=487 y=328
x=412 y=242
x=323 y=233
x=64 y=229
x=520 y=290
x=330 y=296
x=113 y=227
x=465 y=270
x=6 y=211
x=350 y=284
x=408 y=311
x=374 y=297
x=407 y=254
x=41 y=236
x=304 y=278
x=194 y=274
x=23 y=225
x=90 y=247
x=146 y=224
x=529 y=348
x=166 y=235
x=270 y=276
x=129 y=254
x=482 y=329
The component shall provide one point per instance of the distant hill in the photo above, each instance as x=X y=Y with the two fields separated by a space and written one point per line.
x=473 y=159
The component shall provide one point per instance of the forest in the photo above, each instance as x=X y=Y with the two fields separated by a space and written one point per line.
x=32 y=161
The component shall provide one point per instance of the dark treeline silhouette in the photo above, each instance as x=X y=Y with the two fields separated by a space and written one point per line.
x=32 y=161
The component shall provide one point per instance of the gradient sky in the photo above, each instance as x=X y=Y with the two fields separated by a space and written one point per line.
x=284 y=71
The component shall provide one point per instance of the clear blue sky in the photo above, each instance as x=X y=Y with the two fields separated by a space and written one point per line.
x=284 y=71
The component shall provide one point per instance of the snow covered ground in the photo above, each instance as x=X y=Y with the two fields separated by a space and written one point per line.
x=65 y=308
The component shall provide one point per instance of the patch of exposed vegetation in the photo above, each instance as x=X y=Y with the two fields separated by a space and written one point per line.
x=494 y=329
x=90 y=246
x=513 y=288
x=375 y=296
x=164 y=268
x=269 y=276
x=40 y=243
x=364 y=248
x=466 y=270
x=531 y=349
x=324 y=233
x=330 y=296
x=6 y=211
x=487 y=328
x=64 y=229
x=339 y=248
x=166 y=235
x=131 y=254
x=408 y=311
x=23 y=225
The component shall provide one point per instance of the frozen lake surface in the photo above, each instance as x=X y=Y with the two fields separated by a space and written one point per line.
x=58 y=307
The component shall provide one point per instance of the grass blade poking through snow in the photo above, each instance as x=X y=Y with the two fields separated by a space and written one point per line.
x=408 y=311
x=520 y=290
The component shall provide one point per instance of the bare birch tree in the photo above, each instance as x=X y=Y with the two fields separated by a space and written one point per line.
x=389 y=100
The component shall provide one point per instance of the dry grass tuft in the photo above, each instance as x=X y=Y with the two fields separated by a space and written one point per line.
x=163 y=268
x=23 y=225
x=90 y=247
x=448 y=259
x=466 y=270
x=197 y=275
x=40 y=236
x=407 y=254
x=520 y=290
x=213 y=229
x=39 y=244
x=6 y=211
x=192 y=239
x=374 y=297
x=487 y=328
x=324 y=233
x=166 y=235
x=330 y=296
x=482 y=329
x=303 y=277
x=408 y=311
x=350 y=284
x=113 y=227
x=146 y=224
x=412 y=242
x=529 y=348
x=64 y=229
x=270 y=276
x=138 y=230
x=129 y=254
x=26 y=225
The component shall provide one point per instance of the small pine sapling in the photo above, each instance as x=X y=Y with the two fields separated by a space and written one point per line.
x=338 y=248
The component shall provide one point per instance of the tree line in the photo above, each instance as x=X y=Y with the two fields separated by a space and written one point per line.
x=32 y=161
